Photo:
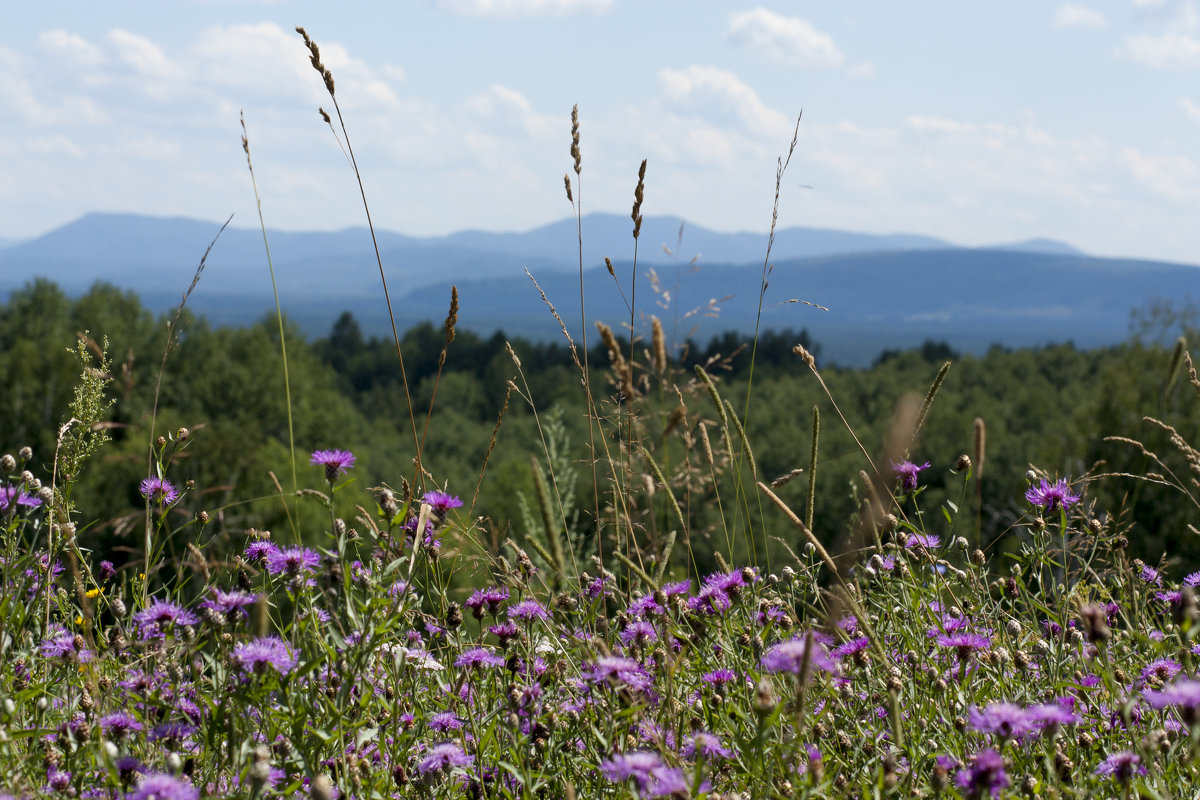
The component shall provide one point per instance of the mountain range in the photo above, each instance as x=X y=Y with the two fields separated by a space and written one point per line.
x=880 y=291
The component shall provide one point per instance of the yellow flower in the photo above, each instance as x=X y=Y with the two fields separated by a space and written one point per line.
x=91 y=595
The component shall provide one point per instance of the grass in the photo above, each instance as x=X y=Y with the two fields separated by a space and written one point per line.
x=593 y=657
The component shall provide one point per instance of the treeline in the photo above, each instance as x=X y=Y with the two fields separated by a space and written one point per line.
x=1050 y=408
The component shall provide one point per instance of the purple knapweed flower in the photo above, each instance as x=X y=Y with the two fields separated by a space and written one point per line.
x=163 y=787
x=61 y=643
x=1159 y=671
x=719 y=677
x=119 y=724
x=443 y=758
x=965 y=644
x=984 y=777
x=336 y=462
x=107 y=570
x=1121 y=766
x=651 y=777
x=268 y=651
x=706 y=746
x=1051 y=496
x=1004 y=720
x=445 y=721
x=486 y=601
x=158 y=491
x=638 y=633
x=922 y=541
x=528 y=610
x=293 y=560
x=1150 y=575
x=790 y=656
x=907 y=472
x=161 y=614
x=441 y=502
x=1183 y=694
x=478 y=657
x=258 y=551
x=617 y=669
x=229 y=602
x=22 y=499
x=1192 y=580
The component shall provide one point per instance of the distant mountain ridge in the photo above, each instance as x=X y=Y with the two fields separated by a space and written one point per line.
x=883 y=291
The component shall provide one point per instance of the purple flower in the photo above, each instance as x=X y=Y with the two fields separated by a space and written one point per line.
x=638 y=633
x=119 y=724
x=1052 y=496
x=479 y=657
x=1049 y=716
x=907 y=472
x=445 y=721
x=23 y=499
x=851 y=647
x=922 y=541
x=442 y=502
x=159 y=492
x=293 y=560
x=491 y=598
x=1192 y=580
x=162 y=614
x=965 y=644
x=257 y=655
x=336 y=462
x=651 y=777
x=1160 y=670
x=719 y=677
x=985 y=776
x=617 y=669
x=528 y=610
x=1004 y=720
x=1183 y=694
x=61 y=643
x=107 y=570
x=229 y=602
x=258 y=551
x=1121 y=766
x=163 y=787
x=443 y=758
x=707 y=746
x=789 y=656
x=1150 y=575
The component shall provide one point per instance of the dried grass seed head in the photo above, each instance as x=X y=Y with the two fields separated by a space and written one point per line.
x=576 y=156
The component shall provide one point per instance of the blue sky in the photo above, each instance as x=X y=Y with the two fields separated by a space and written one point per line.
x=976 y=122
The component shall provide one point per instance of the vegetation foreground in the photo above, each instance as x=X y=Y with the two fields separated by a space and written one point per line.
x=378 y=645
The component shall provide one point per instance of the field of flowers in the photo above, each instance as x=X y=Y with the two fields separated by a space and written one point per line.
x=389 y=652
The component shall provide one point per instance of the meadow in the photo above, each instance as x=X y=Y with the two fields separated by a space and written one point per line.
x=644 y=585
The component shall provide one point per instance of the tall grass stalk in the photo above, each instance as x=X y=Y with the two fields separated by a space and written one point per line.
x=287 y=382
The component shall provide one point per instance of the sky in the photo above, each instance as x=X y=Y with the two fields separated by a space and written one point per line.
x=979 y=123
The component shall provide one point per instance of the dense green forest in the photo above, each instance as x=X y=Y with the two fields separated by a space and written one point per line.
x=1050 y=408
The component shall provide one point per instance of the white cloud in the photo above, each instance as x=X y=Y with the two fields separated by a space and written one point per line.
x=1190 y=108
x=1166 y=51
x=72 y=46
x=524 y=8
x=1172 y=177
x=141 y=54
x=789 y=40
x=721 y=95
x=500 y=105
x=1079 y=16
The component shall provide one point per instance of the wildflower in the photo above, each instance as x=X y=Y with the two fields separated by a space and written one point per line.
x=1183 y=694
x=984 y=777
x=443 y=758
x=1121 y=766
x=907 y=472
x=707 y=746
x=259 y=551
x=790 y=656
x=651 y=777
x=7 y=493
x=228 y=602
x=159 y=492
x=336 y=462
x=1159 y=671
x=61 y=643
x=1192 y=580
x=160 y=615
x=922 y=541
x=965 y=644
x=1052 y=496
x=852 y=647
x=292 y=560
x=528 y=610
x=445 y=721
x=719 y=677
x=479 y=657
x=1150 y=575
x=617 y=669
x=257 y=655
x=638 y=633
x=491 y=598
x=1004 y=720
x=119 y=724
x=163 y=787
x=441 y=502
x=107 y=570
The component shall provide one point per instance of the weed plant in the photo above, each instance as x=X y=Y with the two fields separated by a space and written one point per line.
x=590 y=657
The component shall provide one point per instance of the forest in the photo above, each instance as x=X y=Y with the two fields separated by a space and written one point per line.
x=501 y=420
